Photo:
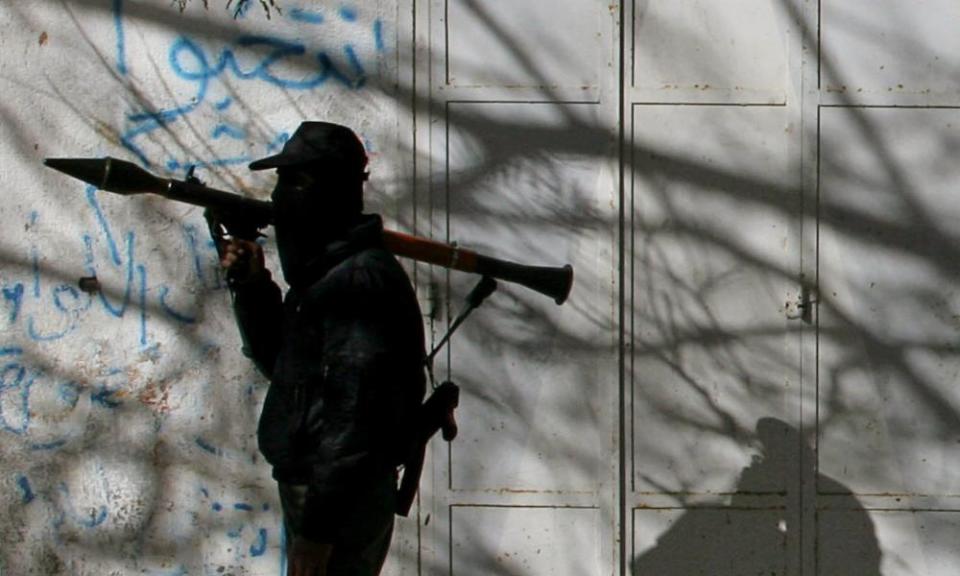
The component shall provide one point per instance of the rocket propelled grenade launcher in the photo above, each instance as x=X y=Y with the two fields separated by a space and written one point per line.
x=244 y=218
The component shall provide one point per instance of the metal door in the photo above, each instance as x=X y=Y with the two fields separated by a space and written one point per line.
x=521 y=158
x=887 y=106
x=755 y=371
x=716 y=300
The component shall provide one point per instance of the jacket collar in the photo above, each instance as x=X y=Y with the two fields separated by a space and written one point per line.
x=367 y=233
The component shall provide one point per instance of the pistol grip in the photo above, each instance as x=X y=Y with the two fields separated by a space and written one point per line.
x=438 y=412
x=448 y=428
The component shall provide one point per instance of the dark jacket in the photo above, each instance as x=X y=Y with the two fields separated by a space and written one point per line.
x=344 y=354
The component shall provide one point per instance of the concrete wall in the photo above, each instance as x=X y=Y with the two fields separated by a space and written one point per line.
x=127 y=414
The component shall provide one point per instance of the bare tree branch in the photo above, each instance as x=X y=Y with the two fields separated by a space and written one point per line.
x=238 y=8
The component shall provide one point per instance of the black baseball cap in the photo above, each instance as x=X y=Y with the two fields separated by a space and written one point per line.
x=319 y=145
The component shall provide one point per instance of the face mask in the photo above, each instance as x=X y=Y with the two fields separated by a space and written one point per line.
x=309 y=212
x=297 y=224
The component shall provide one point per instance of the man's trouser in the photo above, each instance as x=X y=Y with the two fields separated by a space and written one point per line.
x=363 y=537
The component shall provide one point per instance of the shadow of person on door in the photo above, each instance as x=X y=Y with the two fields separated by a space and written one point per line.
x=750 y=536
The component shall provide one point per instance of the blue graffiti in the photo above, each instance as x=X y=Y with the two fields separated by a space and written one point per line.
x=105 y=397
x=260 y=546
x=234 y=132
x=69 y=393
x=18 y=382
x=207 y=446
x=121 y=37
x=348 y=13
x=35 y=267
x=174 y=165
x=272 y=57
x=45 y=446
x=189 y=62
x=135 y=274
x=65 y=306
x=132 y=272
x=26 y=492
x=194 y=243
x=104 y=228
x=15 y=384
x=308 y=16
x=378 y=36
x=69 y=311
x=179 y=316
x=14 y=296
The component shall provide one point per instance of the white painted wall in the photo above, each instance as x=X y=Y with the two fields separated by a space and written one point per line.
x=128 y=416
x=700 y=164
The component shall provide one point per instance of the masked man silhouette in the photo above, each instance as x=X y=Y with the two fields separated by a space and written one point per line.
x=343 y=349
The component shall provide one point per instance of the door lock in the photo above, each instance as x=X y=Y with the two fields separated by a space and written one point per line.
x=801 y=307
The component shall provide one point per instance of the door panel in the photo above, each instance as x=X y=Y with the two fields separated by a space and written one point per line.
x=889 y=291
x=714 y=264
x=890 y=51
x=550 y=541
x=522 y=155
x=531 y=364
x=700 y=542
x=509 y=43
x=702 y=51
x=888 y=362
x=715 y=413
